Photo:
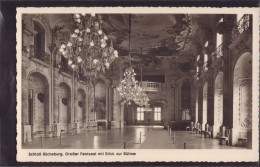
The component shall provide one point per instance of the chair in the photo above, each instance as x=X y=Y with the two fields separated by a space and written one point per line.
x=208 y=131
x=242 y=140
x=225 y=137
x=198 y=128
x=191 y=127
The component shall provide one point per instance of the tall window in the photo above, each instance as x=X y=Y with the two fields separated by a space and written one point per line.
x=219 y=45
x=140 y=113
x=219 y=39
x=157 y=113
x=205 y=62
x=39 y=38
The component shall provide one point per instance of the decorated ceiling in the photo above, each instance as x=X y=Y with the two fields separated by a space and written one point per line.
x=179 y=37
x=157 y=35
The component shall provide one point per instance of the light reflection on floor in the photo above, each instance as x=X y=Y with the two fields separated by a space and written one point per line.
x=93 y=139
x=151 y=137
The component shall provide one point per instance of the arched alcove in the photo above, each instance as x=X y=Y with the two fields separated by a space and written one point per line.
x=100 y=100
x=186 y=101
x=242 y=96
x=218 y=103
x=38 y=102
x=81 y=107
x=64 y=106
x=205 y=105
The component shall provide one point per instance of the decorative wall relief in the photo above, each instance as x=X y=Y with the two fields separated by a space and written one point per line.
x=218 y=107
x=38 y=86
x=245 y=101
x=41 y=97
x=242 y=92
x=218 y=99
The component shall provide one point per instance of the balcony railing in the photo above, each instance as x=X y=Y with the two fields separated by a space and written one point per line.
x=151 y=86
x=242 y=25
x=39 y=54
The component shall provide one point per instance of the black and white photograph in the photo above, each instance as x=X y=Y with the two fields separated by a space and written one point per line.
x=130 y=84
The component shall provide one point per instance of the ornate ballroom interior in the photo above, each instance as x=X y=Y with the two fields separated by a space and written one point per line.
x=137 y=81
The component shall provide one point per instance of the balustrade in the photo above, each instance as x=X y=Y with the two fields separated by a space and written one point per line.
x=151 y=86
x=39 y=54
x=242 y=25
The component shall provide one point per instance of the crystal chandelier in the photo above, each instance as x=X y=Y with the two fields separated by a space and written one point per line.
x=147 y=108
x=128 y=87
x=141 y=98
x=87 y=47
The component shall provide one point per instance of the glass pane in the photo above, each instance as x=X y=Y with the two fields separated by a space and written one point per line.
x=219 y=39
x=142 y=116
x=159 y=117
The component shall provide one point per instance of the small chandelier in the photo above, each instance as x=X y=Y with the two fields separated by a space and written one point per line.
x=141 y=98
x=128 y=86
x=147 y=108
x=87 y=47
x=129 y=89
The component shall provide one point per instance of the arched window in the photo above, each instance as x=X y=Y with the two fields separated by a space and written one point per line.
x=205 y=65
x=39 y=38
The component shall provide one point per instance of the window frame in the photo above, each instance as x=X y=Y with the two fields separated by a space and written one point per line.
x=140 y=114
x=157 y=113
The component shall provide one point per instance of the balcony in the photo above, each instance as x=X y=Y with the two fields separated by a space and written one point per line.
x=38 y=54
x=151 y=86
x=242 y=25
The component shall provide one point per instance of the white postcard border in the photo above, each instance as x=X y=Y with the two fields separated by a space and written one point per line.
x=194 y=155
